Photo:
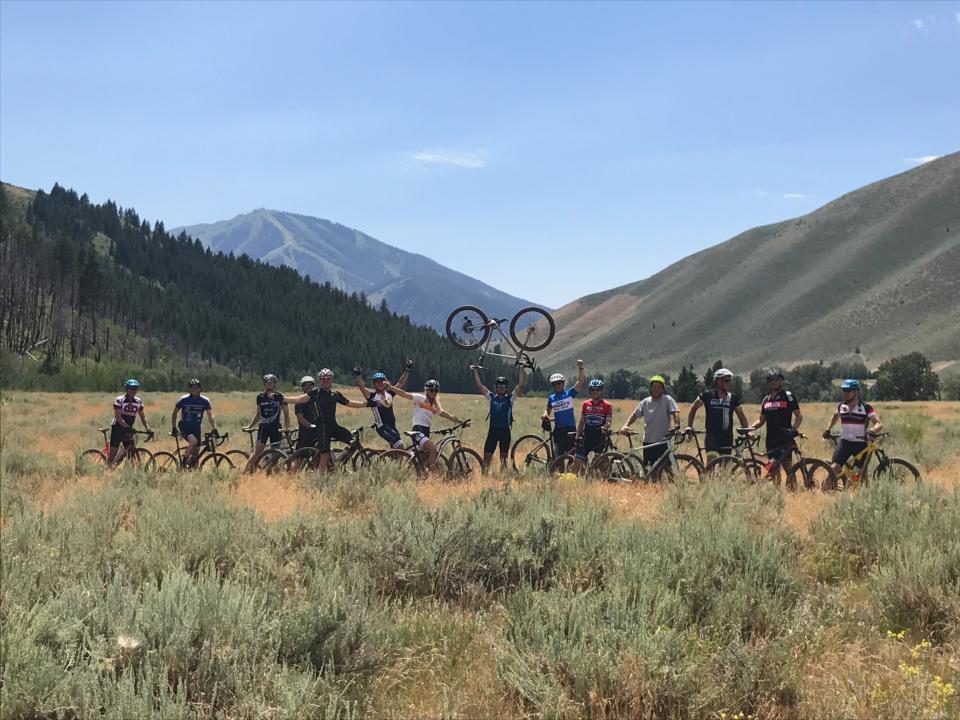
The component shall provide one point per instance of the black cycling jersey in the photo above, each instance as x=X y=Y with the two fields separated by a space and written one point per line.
x=270 y=404
x=308 y=411
x=777 y=409
x=326 y=402
x=719 y=411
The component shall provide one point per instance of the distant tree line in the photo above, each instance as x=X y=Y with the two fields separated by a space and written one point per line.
x=84 y=283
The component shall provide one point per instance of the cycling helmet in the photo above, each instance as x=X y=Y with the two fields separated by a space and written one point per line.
x=325 y=373
x=307 y=379
x=775 y=374
x=557 y=377
x=850 y=384
x=378 y=376
x=193 y=381
x=596 y=384
x=131 y=383
x=500 y=381
x=431 y=385
x=722 y=373
x=659 y=379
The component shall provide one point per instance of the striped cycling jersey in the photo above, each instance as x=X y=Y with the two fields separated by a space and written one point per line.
x=128 y=407
x=854 y=420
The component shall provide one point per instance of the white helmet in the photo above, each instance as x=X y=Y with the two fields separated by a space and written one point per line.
x=307 y=379
x=326 y=372
x=722 y=373
x=557 y=377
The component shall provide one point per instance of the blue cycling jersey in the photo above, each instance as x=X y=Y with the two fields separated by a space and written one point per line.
x=501 y=410
x=562 y=405
x=193 y=409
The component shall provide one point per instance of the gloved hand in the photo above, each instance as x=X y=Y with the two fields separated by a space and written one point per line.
x=357 y=370
x=826 y=434
x=409 y=363
x=545 y=424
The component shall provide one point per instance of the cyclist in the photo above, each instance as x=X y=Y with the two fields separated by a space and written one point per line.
x=193 y=405
x=560 y=404
x=594 y=427
x=659 y=411
x=126 y=408
x=425 y=406
x=720 y=402
x=270 y=403
x=306 y=414
x=858 y=421
x=325 y=401
x=380 y=401
x=780 y=412
x=501 y=415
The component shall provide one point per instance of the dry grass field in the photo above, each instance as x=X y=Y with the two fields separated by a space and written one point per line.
x=223 y=595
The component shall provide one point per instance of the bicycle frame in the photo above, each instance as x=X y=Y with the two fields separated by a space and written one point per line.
x=519 y=356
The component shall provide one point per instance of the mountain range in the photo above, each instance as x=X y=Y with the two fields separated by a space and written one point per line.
x=873 y=274
x=411 y=284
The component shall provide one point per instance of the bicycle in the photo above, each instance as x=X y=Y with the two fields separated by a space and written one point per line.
x=208 y=454
x=531 y=452
x=854 y=470
x=275 y=453
x=811 y=472
x=630 y=467
x=602 y=465
x=461 y=463
x=531 y=329
x=138 y=457
x=355 y=456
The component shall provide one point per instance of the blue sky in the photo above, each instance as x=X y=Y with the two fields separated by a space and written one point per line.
x=551 y=150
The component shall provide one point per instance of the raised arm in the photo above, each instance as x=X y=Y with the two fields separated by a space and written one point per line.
x=405 y=375
x=581 y=377
x=400 y=391
x=358 y=380
x=518 y=390
x=481 y=388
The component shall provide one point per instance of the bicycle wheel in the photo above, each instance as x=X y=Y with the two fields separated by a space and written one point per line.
x=898 y=470
x=467 y=327
x=615 y=467
x=166 y=461
x=94 y=457
x=532 y=328
x=529 y=454
x=271 y=461
x=302 y=459
x=238 y=457
x=688 y=466
x=730 y=467
x=142 y=459
x=463 y=463
x=563 y=464
x=363 y=458
x=394 y=457
x=218 y=460
x=810 y=474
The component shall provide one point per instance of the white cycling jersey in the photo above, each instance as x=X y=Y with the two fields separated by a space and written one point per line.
x=423 y=411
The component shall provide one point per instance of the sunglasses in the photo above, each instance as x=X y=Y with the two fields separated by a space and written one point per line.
x=596 y=389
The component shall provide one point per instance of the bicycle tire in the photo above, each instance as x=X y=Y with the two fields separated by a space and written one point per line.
x=469 y=326
x=519 y=323
x=239 y=457
x=689 y=467
x=369 y=456
x=301 y=460
x=816 y=475
x=142 y=459
x=463 y=463
x=562 y=464
x=218 y=460
x=729 y=466
x=271 y=460
x=166 y=461
x=530 y=452
x=898 y=469
x=94 y=457
x=615 y=467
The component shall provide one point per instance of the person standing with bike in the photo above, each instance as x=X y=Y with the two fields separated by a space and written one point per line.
x=593 y=431
x=501 y=415
x=325 y=400
x=126 y=408
x=659 y=411
x=306 y=415
x=560 y=405
x=270 y=403
x=720 y=403
x=194 y=406
x=780 y=412
x=380 y=401
x=858 y=420
x=425 y=406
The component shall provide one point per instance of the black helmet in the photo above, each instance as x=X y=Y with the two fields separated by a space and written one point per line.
x=775 y=374
x=500 y=381
x=194 y=381
x=431 y=385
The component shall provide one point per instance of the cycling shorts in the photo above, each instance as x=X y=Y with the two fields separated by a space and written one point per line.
x=594 y=440
x=186 y=430
x=268 y=433
x=847 y=449
x=422 y=436
x=329 y=433
x=390 y=435
x=564 y=438
x=718 y=442
x=120 y=435
x=497 y=436
x=306 y=437
x=779 y=452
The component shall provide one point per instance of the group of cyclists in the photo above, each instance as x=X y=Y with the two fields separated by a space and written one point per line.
x=315 y=411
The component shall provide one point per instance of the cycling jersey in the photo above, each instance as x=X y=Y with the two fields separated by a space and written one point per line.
x=719 y=410
x=595 y=413
x=129 y=408
x=854 y=420
x=381 y=403
x=192 y=409
x=306 y=437
x=423 y=411
x=501 y=410
x=777 y=410
x=269 y=405
x=561 y=404
x=326 y=402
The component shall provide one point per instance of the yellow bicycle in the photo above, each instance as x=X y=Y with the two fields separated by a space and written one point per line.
x=854 y=471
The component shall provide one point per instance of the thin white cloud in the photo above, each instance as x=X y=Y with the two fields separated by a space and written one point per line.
x=922 y=159
x=457 y=159
x=794 y=196
x=918 y=23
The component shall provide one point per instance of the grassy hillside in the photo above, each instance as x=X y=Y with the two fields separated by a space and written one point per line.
x=215 y=595
x=877 y=269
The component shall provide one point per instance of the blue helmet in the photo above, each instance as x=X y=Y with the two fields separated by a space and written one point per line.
x=850 y=384
x=596 y=384
x=378 y=376
x=131 y=383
